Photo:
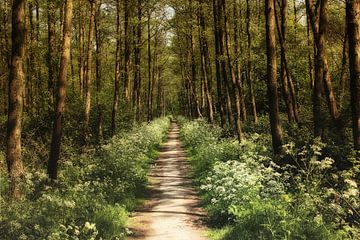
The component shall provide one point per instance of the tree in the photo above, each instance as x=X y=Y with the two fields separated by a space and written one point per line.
x=276 y=131
x=249 y=62
x=88 y=71
x=353 y=25
x=61 y=92
x=117 y=70
x=318 y=21
x=287 y=84
x=16 y=82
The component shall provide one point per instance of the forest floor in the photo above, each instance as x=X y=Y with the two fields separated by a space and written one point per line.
x=172 y=209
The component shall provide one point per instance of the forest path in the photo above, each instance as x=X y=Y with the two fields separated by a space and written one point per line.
x=172 y=211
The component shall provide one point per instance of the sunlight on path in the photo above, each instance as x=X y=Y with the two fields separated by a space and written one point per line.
x=173 y=211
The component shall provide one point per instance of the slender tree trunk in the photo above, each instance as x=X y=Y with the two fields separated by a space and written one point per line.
x=51 y=62
x=149 y=65
x=238 y=53
x=353 y=24
x=220 y=96
x=61 y=93
x=81 y=47
x=249 y=63
x=127 y=52
x=238 y=123
x=98 y=39
x=224 y=74
x=343 y=72
x=276 y=130
x=137 y=59
x=16 y=81
x=318 y=21
x=205 y=65
x=88 y=76
x=117 y=71
x=289 y=97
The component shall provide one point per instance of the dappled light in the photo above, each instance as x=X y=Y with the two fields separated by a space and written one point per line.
x=179 y=119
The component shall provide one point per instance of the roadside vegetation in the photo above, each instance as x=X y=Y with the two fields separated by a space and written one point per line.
x=249 y=194
x=94 y=192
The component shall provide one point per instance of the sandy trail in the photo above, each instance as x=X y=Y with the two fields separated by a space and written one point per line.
x=172 y=211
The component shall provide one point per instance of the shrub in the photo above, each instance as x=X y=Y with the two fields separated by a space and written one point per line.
x=304 y=198
x=93 y=194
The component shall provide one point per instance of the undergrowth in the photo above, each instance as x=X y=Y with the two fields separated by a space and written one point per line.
x=249 y=194
x=93 y=195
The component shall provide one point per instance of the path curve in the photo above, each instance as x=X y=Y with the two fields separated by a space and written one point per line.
x=172 y=211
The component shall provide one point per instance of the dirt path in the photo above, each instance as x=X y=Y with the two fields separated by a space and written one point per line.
x=172 y=211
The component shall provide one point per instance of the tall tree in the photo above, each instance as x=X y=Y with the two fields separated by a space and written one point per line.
x=205 y=63
x=219 y=84
x=249 y=61
x=287 y=84
x=61 y=92
x=238 y=124
x=127 y=49
x=353 y=25
x=137 y=59
x=16 y=81
x=117 y=70
x=276 y=130
x=51 y=51
x=317 y=14
x=88 y=68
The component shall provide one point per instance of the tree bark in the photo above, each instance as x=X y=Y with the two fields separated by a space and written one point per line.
x=318 y=21
x=276 y=130
x=205 y=64
x=353 y=25
x=289 y=97
x=137 y=59
x=51 y=62
x=249 y=62
x=220 y=96
x=61 y=93
x=127 y=52
x=88 y=71
x=98 y=65
x=16 y=81
x=238 y=123
x=116 y=99
x=238 y=54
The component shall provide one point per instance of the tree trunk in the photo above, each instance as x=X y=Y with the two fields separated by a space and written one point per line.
x=137 y=59
x=220 y=96
x=16 y=81
x=238 y=54
x=127 y=53
x=353 y=25
x=98 y=39
x=81 y=48
x=238 y=123
x=289 y=98
x=51 y=62
x=61 y=93
x=117 y=71
x=318 y=22
x=88 y=71
x=149 y=65
x=249 y=63
x=276 y=130
x=205 y=65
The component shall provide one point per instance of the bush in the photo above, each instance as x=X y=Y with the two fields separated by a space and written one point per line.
x=242 y=186
x=93 y=194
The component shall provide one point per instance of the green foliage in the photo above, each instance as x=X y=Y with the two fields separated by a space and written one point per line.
x=93 y=194
x=304 y=198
